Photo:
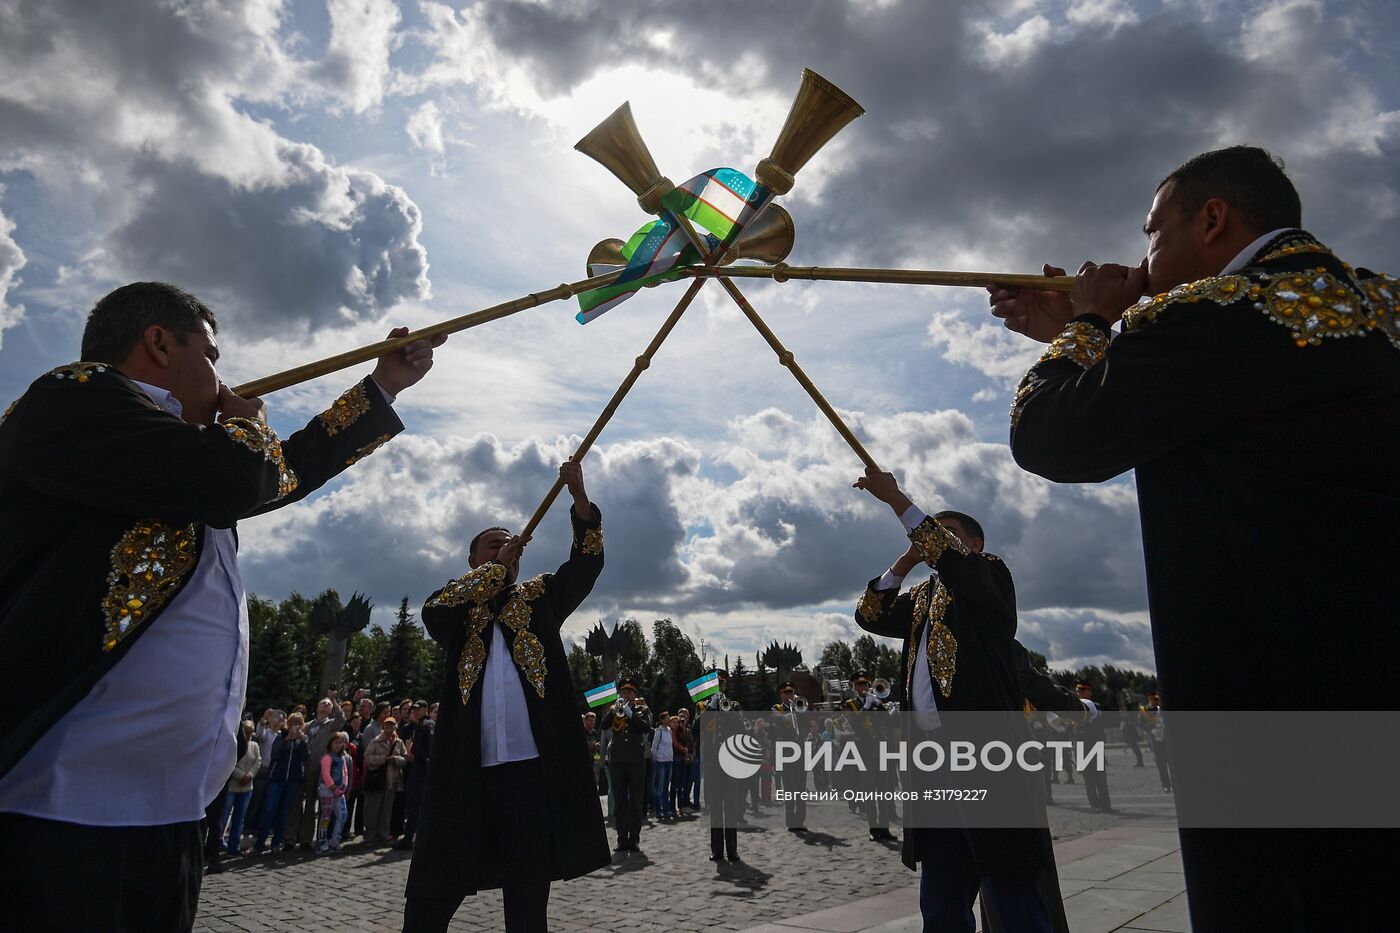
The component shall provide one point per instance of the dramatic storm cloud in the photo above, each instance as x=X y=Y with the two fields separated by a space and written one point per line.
x=299 y=164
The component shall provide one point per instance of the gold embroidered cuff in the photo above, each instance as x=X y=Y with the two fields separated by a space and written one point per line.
x=345 y=410
x=366 y=450
x=591 y=543
x=932 y=540
x=1081 y=342
x=474 y=586
x=871 y=604
x=258 y=437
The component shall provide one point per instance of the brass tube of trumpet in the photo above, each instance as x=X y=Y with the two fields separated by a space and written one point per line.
x=330 y=364
x=782 y=272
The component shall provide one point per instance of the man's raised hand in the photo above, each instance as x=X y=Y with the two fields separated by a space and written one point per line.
x=1040 y=315
x=399 y=369
x=885 y=487
x=571 y=473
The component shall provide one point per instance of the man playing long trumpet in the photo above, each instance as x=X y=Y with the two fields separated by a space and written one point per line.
x=958 y=629
x=122 y=612
x=510 y=801
x=1257 y=397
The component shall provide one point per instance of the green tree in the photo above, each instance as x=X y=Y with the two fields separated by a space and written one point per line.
x=284 y=655
x=364 y=662
x=837 y=654
x=634 y=654
x=585 y=669
x=405 y=662
x=674 y=663
x=741 y=684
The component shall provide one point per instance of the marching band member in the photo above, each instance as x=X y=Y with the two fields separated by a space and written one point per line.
x=793 y=776
x=870 y=729
x=510 y=801
x=631 y=732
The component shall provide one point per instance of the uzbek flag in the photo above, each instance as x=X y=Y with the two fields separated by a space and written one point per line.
x=600 y=696
x=721 y=201
x=707 y=685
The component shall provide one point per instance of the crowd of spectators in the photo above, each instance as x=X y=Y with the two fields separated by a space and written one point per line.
x=354 y=770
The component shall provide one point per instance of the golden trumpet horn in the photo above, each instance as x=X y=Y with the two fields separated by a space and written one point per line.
x=769 y=235
x=607 y=253
x=768 y=238
x=818 y=113
x=617 y=145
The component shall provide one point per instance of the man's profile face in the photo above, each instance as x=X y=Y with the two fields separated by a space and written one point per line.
x=488 y=548
x=1175 y=251
x=191 y=375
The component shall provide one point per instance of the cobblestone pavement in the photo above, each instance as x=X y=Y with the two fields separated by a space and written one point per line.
x=672 y=885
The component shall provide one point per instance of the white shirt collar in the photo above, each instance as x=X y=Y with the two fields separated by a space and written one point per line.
x=163 y=398
x=1246 y=254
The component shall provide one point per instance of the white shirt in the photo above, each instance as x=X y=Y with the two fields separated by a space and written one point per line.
x=152 y=742
x=1246 y=254
x=505 y=722
x=924 y=703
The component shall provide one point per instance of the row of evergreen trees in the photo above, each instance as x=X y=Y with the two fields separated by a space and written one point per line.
x=289 y=643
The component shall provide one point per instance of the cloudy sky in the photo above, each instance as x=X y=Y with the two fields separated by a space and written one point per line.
x=322 y=170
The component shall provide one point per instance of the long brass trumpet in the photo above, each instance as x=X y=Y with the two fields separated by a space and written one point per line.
x=330 y=364
x=782 y=272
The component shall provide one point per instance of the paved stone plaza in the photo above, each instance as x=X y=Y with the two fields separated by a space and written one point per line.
x=1117 y=871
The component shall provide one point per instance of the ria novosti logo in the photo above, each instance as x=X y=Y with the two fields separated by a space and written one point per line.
x=740 y=756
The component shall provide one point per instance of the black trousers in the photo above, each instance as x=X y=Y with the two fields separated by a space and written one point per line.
x=514 y=834
x=726 y=802
x=629 y=789
x=64 y=876
x=1096 y=789
x=793 y=780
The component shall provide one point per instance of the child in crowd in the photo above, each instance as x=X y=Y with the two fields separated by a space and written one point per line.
x=336 y=770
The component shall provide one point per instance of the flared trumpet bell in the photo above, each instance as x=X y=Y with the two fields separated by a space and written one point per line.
x=767 y=238
x=617 y=145
x=606 y=253
x=818 y=113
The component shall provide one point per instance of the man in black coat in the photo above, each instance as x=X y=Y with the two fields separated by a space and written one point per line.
x=1257 y=397
x=510 y=801
x=630 y=723
x=958 y=630
x=123 y=623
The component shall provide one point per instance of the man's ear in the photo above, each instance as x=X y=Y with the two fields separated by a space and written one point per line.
x=156 y=341
x=1215 y=219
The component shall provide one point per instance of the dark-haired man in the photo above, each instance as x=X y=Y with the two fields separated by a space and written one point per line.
x=958 y=630
x=1257 y=396
x=122 y=478
x=510 y=801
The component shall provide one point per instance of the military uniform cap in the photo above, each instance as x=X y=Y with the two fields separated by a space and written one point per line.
x=861 y=676
x=628 y=682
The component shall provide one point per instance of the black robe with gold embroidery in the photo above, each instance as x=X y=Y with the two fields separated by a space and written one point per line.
x=449 y=859
x=1261 y=412
x=103 y=502
x=972 y=608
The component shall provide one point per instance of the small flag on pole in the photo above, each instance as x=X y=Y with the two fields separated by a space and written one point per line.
x=707 y=685
x=600 y=696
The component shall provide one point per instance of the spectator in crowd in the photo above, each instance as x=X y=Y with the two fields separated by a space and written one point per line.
x=335 y=777
x=366 y=710
x=662 y=755
x=376 y=722
x=355 y=799
x=240 y=789
x=353 y=725
x=301 y=828
x=682 y=757
x=347 y=709
x=287 y=770
x=407 y=723
x=594 y=738
x=384 y=758
x=270 y=726
x=420 y=752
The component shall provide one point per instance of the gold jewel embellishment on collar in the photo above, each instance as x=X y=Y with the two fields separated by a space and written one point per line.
x=260 y=438
x=1292 y=245
x=78 y=372
x=148 y=563
x=345 y=410
x=473 y=652
x=933 y=540
x=8 y=411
